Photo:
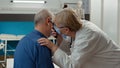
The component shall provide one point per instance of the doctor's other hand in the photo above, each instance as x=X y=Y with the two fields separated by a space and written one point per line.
x=57 y=35
x=48 y=43
x=54 y=33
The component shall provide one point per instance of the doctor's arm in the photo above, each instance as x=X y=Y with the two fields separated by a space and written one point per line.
x=84 y=49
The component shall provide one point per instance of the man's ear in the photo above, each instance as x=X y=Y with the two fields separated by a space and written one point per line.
x=48 y=20
x=67 y=30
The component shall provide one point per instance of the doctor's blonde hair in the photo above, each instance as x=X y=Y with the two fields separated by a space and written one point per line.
x=68 y=18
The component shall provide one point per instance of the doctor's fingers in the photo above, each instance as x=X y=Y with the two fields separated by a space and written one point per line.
x=54 y=34
x=43 y=41
x=53 y=30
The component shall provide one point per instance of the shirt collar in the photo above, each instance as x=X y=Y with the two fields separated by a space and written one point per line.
x=39 y=33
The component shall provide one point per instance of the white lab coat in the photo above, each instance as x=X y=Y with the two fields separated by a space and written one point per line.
x=92 y=48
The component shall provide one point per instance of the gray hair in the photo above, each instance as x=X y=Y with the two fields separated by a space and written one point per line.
x=41 y=16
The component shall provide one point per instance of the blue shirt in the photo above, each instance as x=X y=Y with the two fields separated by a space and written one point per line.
x=30 y=54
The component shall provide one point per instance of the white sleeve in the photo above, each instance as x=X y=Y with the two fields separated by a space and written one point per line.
x=84 y=48
x=65 y=46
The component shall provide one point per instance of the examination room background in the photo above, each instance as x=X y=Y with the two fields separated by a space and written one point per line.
x=17 y=19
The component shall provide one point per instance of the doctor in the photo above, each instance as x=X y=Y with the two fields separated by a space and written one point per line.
x=90 y=48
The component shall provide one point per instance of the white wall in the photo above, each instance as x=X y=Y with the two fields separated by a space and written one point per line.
x=119 y=21
x=105 y=14
x=110 y=18
x=7 y=7
x=96 y=12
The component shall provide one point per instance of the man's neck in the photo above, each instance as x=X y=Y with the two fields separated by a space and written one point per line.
x=40 y=30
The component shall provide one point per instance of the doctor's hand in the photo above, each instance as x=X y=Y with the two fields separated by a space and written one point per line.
x=48 y=43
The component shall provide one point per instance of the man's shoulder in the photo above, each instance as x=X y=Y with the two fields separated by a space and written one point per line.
x=30 y=39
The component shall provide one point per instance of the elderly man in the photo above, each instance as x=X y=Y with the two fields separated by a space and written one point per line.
x=29 y=53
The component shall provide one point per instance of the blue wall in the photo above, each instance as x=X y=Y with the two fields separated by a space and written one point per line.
x=16 y=27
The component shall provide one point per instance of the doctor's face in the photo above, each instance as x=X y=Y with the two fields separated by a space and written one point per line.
x=60 y=29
